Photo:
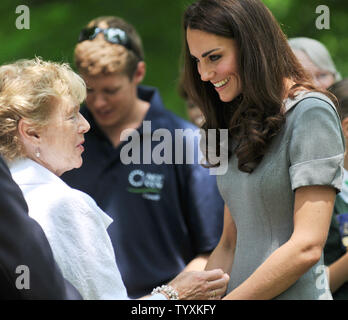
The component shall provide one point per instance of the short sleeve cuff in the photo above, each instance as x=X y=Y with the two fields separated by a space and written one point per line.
x=326 y=172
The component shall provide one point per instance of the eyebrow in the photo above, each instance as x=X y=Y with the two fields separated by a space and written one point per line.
x=209 y=52
x=74 y=109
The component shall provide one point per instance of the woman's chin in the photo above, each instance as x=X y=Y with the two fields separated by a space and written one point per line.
x=229 y=97
x=79 y=164
x=76 y=165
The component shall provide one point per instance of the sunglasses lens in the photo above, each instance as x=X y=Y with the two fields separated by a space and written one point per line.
x=113 y=35
x=116 y=36
x=87 y=34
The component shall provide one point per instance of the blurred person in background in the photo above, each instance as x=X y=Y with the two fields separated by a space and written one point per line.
x=169 y=216
x=194 y=113
x=335 y=251
x=316 y=60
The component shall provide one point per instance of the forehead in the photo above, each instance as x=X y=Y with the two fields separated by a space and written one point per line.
x=61 y=107
x=200 y=42
x=67 y=104
x=305 y=61
x=101 y=81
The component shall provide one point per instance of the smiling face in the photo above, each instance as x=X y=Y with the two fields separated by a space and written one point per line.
x=111 y=98
x=61 y=140
x=216 y=59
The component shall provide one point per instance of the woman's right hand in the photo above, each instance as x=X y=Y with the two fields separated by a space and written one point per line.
x=201 y=285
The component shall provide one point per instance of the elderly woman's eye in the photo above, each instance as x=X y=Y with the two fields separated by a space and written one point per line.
x=73 y=116
x=322 y=75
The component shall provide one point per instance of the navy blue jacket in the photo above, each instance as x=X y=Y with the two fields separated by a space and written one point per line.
x=23 y=243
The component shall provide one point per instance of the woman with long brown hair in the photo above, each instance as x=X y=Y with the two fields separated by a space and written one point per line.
x=285 y=150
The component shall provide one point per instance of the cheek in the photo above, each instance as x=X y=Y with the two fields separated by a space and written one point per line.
x=198 y=68
x=116 y=100
x=227 y=69
x=330 y=81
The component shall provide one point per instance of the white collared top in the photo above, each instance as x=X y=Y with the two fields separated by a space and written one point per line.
x=76 y=229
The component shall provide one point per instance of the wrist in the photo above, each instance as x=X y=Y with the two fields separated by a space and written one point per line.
x=157 y=296
x=168 y=291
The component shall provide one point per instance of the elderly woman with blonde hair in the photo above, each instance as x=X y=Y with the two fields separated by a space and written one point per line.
x=41 y=137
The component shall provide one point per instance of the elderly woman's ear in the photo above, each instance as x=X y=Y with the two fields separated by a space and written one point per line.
x=27 y=133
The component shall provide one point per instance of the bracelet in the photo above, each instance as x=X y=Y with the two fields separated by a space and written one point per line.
x=168 y=290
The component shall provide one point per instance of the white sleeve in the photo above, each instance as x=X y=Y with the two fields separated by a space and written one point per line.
x=76 y=230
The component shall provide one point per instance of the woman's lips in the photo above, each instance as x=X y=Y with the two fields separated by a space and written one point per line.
x=80 y=146
x=221 y=84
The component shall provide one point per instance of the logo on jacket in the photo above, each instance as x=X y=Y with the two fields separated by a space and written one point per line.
x=148 y=184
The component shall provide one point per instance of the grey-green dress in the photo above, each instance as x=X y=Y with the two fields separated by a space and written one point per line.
x=308 y=151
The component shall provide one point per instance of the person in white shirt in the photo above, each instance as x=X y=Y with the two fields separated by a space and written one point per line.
x=41 y=137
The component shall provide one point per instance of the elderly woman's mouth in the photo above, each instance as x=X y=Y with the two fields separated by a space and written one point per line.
x=80 y=145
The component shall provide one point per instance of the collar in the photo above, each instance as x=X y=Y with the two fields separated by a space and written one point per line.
x=28 y=172
x=290 y=103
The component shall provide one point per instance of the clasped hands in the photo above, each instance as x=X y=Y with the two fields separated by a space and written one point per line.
x=201 y=285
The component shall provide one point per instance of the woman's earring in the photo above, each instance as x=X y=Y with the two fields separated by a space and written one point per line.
x=37 y=153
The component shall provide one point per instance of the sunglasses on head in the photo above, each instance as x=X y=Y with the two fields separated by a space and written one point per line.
x=112 y=35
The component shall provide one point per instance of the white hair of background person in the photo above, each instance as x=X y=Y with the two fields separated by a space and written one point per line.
x=317 y=52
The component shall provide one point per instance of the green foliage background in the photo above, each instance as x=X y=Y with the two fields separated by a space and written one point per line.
x=55 y=25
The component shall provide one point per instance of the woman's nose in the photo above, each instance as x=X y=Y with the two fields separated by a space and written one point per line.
x=84 y=124
x=206 y=73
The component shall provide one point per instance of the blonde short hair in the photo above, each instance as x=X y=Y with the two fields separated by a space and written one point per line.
x=30 y=89
x=99 y=57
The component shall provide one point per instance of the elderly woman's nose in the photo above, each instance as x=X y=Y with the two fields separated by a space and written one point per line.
x=84 y=124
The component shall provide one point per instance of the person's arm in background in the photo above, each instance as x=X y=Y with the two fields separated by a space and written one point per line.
x=338 y=272
x=23 y=242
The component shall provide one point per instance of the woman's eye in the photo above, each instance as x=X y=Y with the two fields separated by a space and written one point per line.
x=74 y=116
x=322 y=75
x=214 y=57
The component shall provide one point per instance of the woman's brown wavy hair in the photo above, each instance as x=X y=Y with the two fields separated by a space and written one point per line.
x=265 y=61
